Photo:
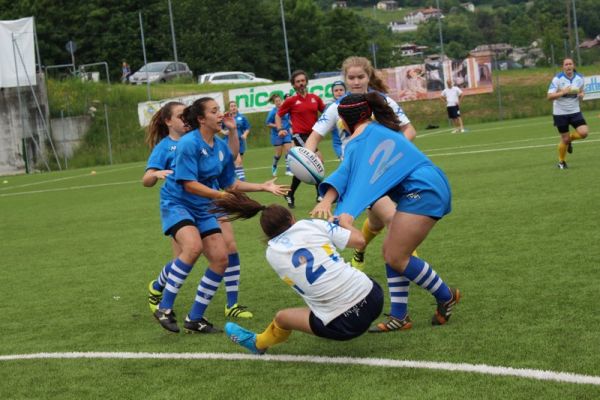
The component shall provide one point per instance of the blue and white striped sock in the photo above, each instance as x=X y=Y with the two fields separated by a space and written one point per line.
x=206 y=290
x=398 y=286
x=179 y=271
x=232 y=279
x=423 y=275
x=240 y=173
x=160 y=282
x=275 y=161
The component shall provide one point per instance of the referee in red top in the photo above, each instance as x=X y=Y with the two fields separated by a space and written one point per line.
x=304 y=111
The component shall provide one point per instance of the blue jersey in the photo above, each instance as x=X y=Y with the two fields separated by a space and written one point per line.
x=163 y=156
x=285 y=121
x=197 y=161
x=374 y=162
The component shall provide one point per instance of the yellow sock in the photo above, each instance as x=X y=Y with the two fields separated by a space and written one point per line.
x=562 y=151
x=271 y=336
x=368 y=233
x=575 y=136
x=414 y=253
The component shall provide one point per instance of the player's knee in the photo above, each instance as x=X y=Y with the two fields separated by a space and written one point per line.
x=396 y=259
x=192 y=249
x=583 y=131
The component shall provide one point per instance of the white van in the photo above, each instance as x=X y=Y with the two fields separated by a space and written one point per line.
x=231 y=77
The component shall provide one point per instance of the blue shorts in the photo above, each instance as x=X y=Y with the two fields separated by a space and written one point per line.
x=562 y=122
x=242 y=146
x=425 y=191
x=354 y=322
x=277 y=140
x=173 y=214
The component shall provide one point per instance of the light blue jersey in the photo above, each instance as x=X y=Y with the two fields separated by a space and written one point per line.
x=277 y=140
x=569 y=103
x=163 y=156
x=375 y=162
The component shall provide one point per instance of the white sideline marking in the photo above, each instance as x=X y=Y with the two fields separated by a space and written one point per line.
x=69 y=188
x=374 y=362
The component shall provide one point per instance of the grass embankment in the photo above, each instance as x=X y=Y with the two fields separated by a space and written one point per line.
x=523 y=94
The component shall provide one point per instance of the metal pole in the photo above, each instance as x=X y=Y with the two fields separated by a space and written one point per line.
x=173 y=36
x=552 y=53
x=441 y=42
x=108 y=134
x=64 y=135
x=21 y=106
x=500 y=116
x=145 y=60
x=567 y=55
x=576 y=33
x=374 y=55
x=37 y=48
x=287 y=54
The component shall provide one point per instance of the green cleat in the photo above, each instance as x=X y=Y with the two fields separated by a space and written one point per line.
x=238 y=311
x=358 y=260
x=154 y=297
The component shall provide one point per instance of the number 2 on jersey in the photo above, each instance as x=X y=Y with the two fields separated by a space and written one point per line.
x=302 y=256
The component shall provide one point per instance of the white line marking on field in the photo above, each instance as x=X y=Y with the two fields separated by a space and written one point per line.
x=69 y=188
x=374 y=362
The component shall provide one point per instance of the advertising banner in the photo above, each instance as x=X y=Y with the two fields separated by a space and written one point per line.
x=147 y=109
x=19 y=54
x=256 y=99
x=591 y=87
x=472 y=75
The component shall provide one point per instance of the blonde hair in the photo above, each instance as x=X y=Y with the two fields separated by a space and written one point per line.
x=375 y=80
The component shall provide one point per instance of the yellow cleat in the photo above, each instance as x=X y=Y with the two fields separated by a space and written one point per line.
x=358 y=260
x=238 y=311
x=154 y=297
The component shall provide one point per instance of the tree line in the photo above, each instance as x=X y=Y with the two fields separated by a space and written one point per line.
x=216 y=35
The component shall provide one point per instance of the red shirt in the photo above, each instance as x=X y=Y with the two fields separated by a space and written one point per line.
x=304 y=111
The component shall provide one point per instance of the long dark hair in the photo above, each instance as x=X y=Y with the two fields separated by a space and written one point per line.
x=356 y=108
x=274 y=220
x=196 y=110
x=158 y=129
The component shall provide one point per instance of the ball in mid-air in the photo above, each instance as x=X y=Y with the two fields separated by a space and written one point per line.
x=306 y=165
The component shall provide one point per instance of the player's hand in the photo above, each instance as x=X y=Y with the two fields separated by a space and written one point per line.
x=345 y=220
x=282 y=133
x=277 y=190
x=162 y=174
x=229 y=122
x=322 y=210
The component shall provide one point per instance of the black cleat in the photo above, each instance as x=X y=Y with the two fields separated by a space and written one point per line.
x=444 y=310
x=290 y=201
x=562 y=165
x=570 y=148
x=200 y=326
x=166 y=319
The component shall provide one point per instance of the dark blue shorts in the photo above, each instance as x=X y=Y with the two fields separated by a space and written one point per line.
x=562 y=122
x=355 y=321
x=453 y=112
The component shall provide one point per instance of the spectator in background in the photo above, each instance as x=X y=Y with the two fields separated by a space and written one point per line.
x=243 y=130
x=281 y=141
x=338 y=89
x=303 y=108
x=452 y=95
x=125 y=72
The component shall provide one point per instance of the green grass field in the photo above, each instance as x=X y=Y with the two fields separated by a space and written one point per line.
x=78 y=250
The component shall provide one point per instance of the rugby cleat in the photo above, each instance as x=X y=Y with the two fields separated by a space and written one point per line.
x=570 y=148
x=166 y=319
x=358 y=260
x=562 y=165
x=237 y=311
x=243 y=337
x=274 y=171
x=199 y=326
x=392 y=324
x=444 y=310
x=154 y=297
x=290 y=201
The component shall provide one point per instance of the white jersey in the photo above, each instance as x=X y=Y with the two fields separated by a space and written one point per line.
x=305 y=257
x=330 y=119
x=452 y=96
x=569 y=103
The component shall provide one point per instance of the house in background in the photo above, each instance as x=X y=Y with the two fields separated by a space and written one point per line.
x=411 y=50
x=399 y=27
x=339 y=4
x=468 y=6
x=387 y=5
x=422 y=15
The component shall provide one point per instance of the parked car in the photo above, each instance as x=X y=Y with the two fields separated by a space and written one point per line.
x=231 y=77
x=161 y=71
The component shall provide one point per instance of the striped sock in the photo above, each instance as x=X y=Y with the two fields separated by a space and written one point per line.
x=239 y=172
x=160 y=282
x=179 y=271
x=398 y=286
x=232 y=279
x=206 y=290
x=419 y=272
x=275 y=161
x=287 y=164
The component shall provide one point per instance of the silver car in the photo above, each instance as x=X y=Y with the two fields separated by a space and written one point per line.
x=161 y=71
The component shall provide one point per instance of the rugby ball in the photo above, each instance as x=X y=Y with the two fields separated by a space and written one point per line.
x=306 y=165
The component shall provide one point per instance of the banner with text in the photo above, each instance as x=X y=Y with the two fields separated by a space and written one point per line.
x=147 y=109
x=472 y=75
x=591 y=87
x=256 y=99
